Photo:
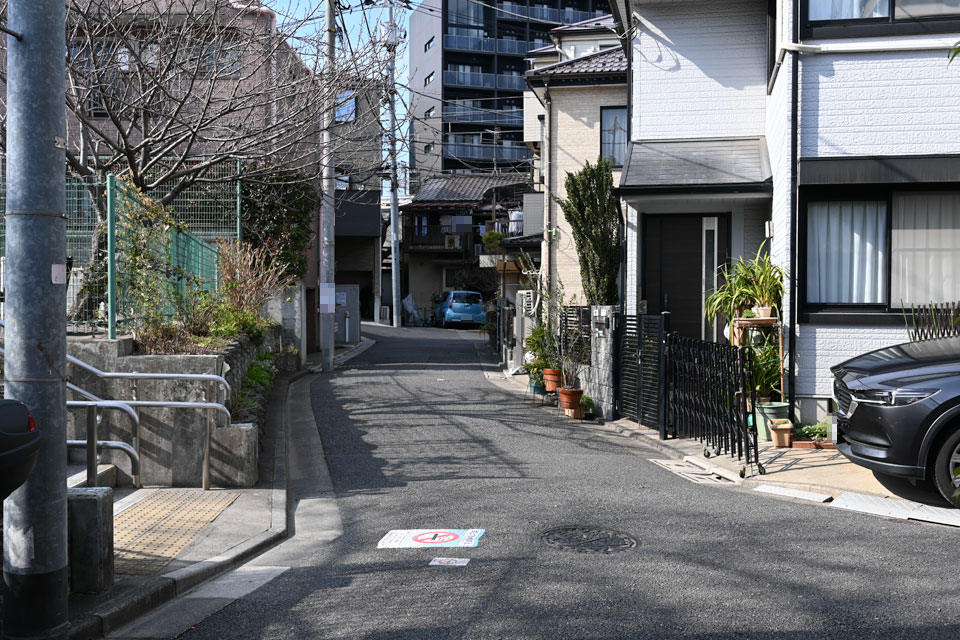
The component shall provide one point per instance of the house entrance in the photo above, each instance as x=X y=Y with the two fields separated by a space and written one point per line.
x=681 y=254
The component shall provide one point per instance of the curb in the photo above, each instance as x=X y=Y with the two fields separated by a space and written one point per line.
x=170 y=586
x=349 y=354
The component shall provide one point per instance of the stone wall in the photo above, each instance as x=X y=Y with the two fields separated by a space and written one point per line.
x=171 y=440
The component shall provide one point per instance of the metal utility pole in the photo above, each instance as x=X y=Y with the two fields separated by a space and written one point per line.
x=394 y=198
x=35 y=515
x=327 y=209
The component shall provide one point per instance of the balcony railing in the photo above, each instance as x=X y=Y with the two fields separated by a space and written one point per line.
x=436 y=236
x=509 y=117
x=506 y=8
x=513 y=47
x=468 y=79
x=469 y=43
x=512 y=83
x=485 y=152
x=565 y=16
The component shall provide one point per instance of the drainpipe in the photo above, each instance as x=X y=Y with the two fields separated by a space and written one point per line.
x=549 y=222
x=794 y=159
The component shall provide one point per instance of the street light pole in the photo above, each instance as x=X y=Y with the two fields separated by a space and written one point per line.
x=35 y=515
x=328 y=207
x=394 y=198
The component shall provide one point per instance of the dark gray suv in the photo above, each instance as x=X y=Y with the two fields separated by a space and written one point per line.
x=898 y=411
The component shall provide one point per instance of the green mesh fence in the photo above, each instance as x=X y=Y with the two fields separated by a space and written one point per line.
x=210 y=210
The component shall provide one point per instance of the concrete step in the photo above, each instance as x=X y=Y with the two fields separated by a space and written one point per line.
x=77 y=476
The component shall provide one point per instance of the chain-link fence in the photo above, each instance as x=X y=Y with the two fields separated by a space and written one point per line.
x=209 y=210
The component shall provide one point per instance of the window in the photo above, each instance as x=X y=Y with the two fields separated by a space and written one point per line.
x=464 y=12
x=341 y=180
x=428 y=45
x=839 y=18
x=883 y=255
x=421 y=227
x=428 y=79
x=346 y=106
x=429 y=113
x=613 y=134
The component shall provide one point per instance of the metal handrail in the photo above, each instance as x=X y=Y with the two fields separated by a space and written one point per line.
x=134 y=427
x=93 y=443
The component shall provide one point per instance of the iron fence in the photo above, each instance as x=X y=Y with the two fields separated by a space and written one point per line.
x=710 y=396
x=575 y=333
x=935 y=320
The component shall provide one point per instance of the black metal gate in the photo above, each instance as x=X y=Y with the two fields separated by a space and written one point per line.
x=641 y=369
x=710 y=396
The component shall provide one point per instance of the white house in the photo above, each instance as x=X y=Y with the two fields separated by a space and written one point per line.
x=838 y=121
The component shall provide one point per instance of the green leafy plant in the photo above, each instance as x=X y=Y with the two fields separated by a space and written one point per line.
x=491 y=242
x=766 y=370
x=278 y=209
x=542 y=346
x=586 y=402
x=746 y=283
x=259 y=375
x=595 y=220
x=230 y=322
x=818 y=432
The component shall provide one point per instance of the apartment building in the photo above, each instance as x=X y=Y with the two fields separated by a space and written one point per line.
x=466 y=81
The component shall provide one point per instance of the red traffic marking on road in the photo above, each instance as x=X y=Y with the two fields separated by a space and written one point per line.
x=435 y=537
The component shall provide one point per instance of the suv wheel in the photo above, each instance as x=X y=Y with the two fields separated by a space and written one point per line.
x=945 y=468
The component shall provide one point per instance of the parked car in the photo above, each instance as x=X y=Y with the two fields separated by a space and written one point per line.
x=19 y=445
x=898 y=411
x=460 y=307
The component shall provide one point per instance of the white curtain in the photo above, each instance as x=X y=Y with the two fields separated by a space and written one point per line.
x=613 y=135
x=848 y=9
x=925 y=248
x=846 y=252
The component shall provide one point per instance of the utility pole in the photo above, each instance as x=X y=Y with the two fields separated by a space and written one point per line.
x=35 y=515
x=394 y=197
x=328 y=207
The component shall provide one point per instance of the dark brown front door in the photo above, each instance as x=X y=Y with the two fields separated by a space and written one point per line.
x=680 y=255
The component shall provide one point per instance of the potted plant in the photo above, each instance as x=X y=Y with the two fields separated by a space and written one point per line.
x=814 y=436
x=534 y=370
x=767 y=365
x=586 y=407
x=571 y=356
x=764 y=284
x=781 y=429
x=755 y=284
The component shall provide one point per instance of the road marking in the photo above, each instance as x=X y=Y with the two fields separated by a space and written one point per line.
x=794 y=493
x=420 y=538
x=449 y=562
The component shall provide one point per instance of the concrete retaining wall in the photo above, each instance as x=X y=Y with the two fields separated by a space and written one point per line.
x=171 y=440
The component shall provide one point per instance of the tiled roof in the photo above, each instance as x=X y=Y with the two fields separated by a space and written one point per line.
x=607 y=61
x=684 y=164
x=602 y=23
x=463 y=189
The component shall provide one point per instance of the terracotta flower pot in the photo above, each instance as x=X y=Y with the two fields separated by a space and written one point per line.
x=551 y=379
x=782 y=432
x=813 y=444
x=763 y=312
x=569 y=398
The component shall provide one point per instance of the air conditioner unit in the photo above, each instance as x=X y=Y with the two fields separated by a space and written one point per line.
x=452 y=241
x=526 y=302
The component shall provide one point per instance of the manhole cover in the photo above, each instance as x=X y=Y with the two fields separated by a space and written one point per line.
x=588 y=540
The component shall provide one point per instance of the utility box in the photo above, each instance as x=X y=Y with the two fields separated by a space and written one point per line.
x=347 y=314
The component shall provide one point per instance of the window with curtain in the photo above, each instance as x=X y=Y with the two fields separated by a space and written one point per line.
x=846 y=252
x=925 y=248
x=927 y=8
x=613 y=134
x=847 y=9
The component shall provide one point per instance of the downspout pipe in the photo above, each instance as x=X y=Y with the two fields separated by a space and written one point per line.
x=549 y=222
x=794 y=230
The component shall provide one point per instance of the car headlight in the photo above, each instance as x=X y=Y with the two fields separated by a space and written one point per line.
x=892 y=397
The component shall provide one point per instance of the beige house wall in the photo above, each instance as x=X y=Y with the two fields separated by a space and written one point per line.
x=574 y=140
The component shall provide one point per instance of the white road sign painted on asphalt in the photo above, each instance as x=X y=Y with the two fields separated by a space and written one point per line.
x=449 y=562
x=419 y=538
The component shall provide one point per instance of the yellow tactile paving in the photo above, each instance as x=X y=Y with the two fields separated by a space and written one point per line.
x=150 y=533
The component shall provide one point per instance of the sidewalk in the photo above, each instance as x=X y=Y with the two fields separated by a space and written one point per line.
x=169 y=540
x=823 y=471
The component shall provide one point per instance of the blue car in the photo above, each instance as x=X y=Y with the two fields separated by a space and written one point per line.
x=460 y=307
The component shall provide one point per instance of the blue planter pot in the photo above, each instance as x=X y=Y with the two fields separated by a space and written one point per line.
x=537 y=388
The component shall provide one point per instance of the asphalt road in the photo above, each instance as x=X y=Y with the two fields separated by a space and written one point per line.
x=416 y=437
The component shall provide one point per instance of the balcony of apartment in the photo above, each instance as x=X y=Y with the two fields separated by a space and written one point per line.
x=469 y=43
x=485 y=152
x=513 y=47
x=470 y=79
x=505 y=117
x=435 y=237
x=511 y=83
x=560 y=16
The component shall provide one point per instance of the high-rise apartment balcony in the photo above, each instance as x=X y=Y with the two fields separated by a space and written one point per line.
x=507 y=8
x=469 y=79
x=507 y=117
x=511 y=83
x=564 y=16
x=485 y=152
x=513 y=47
x=469 y=43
